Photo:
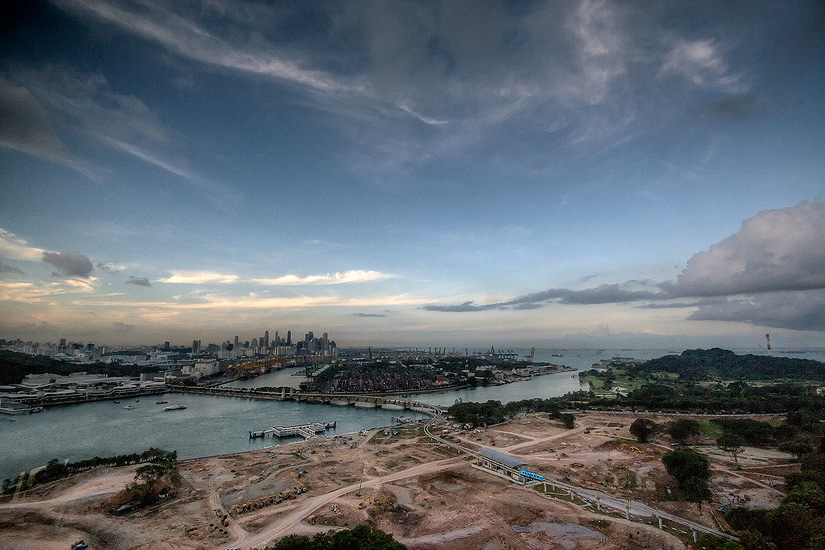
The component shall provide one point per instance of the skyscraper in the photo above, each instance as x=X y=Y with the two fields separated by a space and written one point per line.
x=266 y=339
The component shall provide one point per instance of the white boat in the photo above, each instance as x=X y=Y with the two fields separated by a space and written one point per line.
x=128 y=407
x=174 y=408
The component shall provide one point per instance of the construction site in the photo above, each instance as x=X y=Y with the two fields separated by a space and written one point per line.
x=425 y=493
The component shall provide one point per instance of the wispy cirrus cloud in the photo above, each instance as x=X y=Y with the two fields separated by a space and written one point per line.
x=353 y=276
x=217 y=192
x=184 y=36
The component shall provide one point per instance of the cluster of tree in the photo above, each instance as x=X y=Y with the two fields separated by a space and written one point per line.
x=701 y=364
x=361 y=537
x=798 y=522
x=493 y=412
x=15 y=366
x=692 y=472
x=55 y=470
x=151 y=481
x=754 y=433
x=738 y=397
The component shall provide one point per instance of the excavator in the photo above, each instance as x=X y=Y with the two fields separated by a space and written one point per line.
x=369 y=500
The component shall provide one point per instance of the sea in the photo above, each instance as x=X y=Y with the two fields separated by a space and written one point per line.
x=213 y=425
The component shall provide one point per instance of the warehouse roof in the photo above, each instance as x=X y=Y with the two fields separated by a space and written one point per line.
x=507 y=460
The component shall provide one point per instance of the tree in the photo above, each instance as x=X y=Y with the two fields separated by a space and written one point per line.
x=791 y=525
x=797 y=446
x=568 y=420
x=732 y=444
x=361 y=537
x=809 y=494
x=684 y=430
x=691 y=469
x=642 y=428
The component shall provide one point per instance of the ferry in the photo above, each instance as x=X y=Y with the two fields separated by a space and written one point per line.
x=161 y=402
x=128 y=407
x=174 y=408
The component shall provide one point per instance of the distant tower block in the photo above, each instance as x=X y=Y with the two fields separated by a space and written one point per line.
x=768 y=340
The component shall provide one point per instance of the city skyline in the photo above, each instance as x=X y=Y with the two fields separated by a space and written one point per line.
x=585 y=174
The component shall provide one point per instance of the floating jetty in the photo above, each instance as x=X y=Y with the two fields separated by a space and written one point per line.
x=307 y=431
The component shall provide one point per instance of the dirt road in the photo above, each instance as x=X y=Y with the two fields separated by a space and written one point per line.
x=287 y=524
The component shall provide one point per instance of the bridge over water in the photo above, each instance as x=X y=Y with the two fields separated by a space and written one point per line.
x=371 y=401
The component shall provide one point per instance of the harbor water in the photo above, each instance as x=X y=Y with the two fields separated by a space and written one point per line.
x=213 y=425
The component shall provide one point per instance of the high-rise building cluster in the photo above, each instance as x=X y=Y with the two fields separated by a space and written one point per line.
x=266 y=345
x=235 y=349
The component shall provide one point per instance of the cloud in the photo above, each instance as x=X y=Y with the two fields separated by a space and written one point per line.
x=603 y=294
x=353 y=276
x=252 y=302
x=110 y=268
x=218 y=192
x=788 y=310
x=25 y=125
x=184 y=36
x=43 y=109
x=138 y=281
x=27 y=292
x=426 y=120
x=199 y=277
x=775 y=250
x=368 y=315
x=700 y=62
x=70 y=262
x=15 y=248
x=776 y=260
x=10 y=269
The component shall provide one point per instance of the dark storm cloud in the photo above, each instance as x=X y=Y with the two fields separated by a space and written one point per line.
x=10 y=269
x=790 y=310
x=778 y=257
x=138 y=281
x=70 y=262
x=603 y=294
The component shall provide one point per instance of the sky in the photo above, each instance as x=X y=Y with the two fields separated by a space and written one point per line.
x=584 y=173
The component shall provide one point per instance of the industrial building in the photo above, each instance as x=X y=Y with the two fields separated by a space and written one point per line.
x=502 y=464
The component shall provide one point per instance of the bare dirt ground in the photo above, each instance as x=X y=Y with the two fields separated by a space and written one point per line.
x=405 y=485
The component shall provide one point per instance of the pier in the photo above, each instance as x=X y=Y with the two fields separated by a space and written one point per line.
x=307 y=431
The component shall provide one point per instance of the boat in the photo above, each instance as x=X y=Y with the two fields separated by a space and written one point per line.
x=117 y=401
x=174 y=408
x=161 y=402
x=128 y=407
x=37 y=409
